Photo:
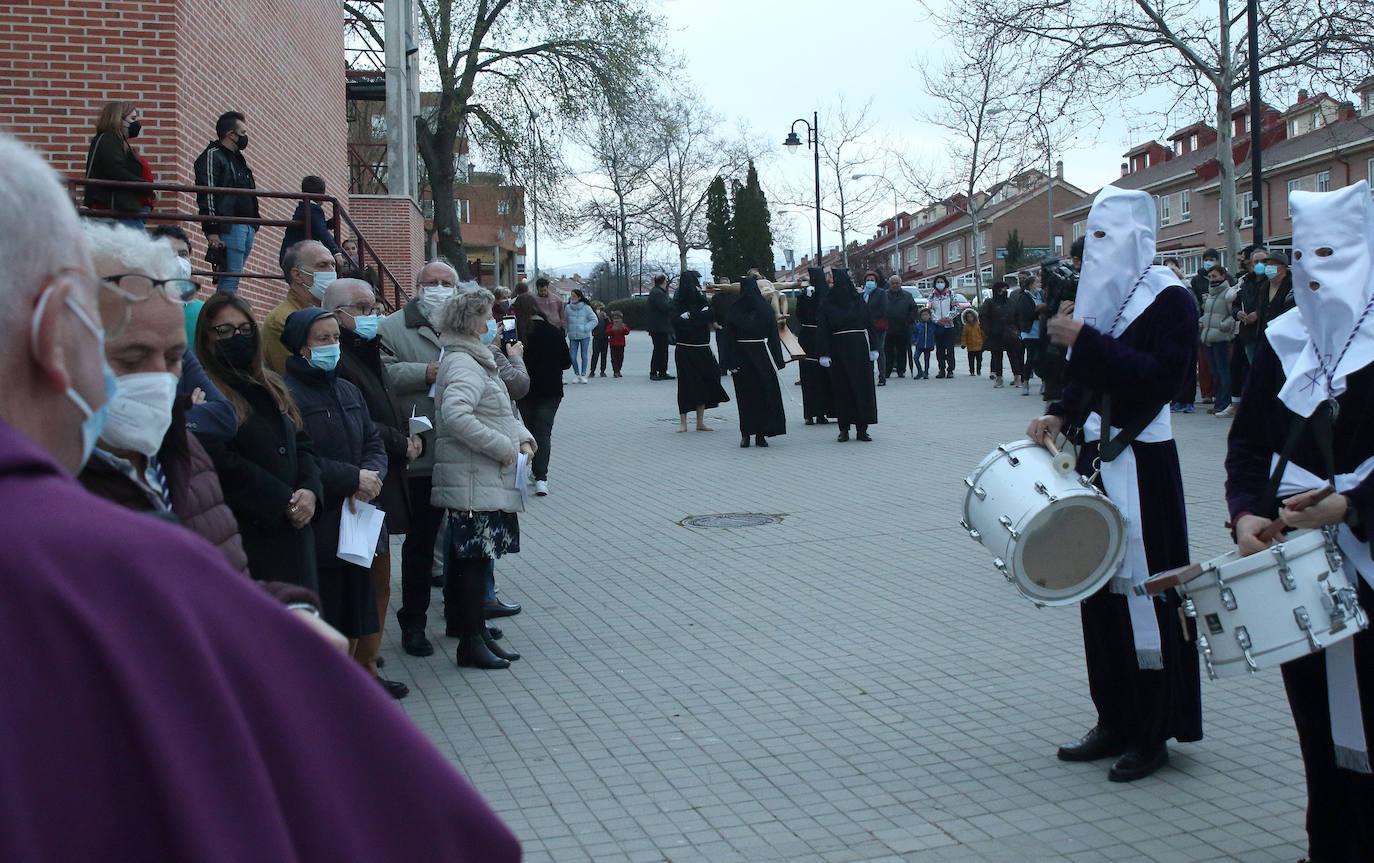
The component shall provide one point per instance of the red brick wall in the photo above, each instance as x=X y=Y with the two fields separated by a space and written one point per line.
x=395 y=229
x=280 y=62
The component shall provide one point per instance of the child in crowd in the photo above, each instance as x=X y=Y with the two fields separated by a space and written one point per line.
x=599 y=343
x=972 y=341
x=923 y=340
x=615 y=336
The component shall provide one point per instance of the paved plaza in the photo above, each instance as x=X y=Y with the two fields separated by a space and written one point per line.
x=852 y=683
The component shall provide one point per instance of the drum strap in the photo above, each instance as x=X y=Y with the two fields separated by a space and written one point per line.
x=1112 y=447
x=1322 y=419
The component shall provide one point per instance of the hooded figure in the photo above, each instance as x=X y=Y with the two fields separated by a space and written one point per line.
x=698 y=373
x=1133 y=334
x=1322 y=350
x=751 y=336
x=817 y=400
x=844 y=339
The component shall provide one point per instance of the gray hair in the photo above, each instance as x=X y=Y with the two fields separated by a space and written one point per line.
x=292 y=256
x=340 y=293
x=463 y=310
x=39 y=234
x=123 y=249
x=441 y=262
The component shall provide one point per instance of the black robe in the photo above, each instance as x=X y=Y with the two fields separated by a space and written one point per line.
x=751 y=335
x=846 y=335
x=698 y=373
x=1141 y=369
x=817 y=399
x=1340 y=802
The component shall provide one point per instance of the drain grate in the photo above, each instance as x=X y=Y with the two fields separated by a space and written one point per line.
x=731 y=519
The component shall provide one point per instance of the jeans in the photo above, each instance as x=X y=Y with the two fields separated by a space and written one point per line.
x=538 y=413
x=580 y=349
x=944 y=349
x=881 y=347
x=238 y=242
x=1218 y=357
x=417 y=555
x=658 y=361
x=975 y=362
x=922 y=364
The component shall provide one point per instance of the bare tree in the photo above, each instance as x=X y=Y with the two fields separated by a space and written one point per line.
x=616 y=191
x=1094 y=51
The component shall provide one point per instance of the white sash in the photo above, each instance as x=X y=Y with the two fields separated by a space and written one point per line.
x=1122 y=485
x=1342 y=686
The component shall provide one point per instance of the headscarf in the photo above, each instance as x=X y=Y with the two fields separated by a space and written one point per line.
x=819 y=286
x=1118 y=280
x=751 y=307
x=296 y=331
x=842 y=294
x=688 y=295
x=1330 y=334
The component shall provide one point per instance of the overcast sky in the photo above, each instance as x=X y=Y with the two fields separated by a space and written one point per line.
x=769 y=63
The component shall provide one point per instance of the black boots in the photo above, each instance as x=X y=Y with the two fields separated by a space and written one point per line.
x=467 y=601
x=1098 y=743
x=862 y=434
x=843 y=435
x=744 y=440
x=760 y=440
x=474 y=652
x=1137 y=762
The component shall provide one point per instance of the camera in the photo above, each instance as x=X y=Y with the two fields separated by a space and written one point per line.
x=1060 y=281
x=508 y=333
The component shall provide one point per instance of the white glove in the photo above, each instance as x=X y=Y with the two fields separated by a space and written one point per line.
x=825 y=362
x=684 y=316
x=872 y=356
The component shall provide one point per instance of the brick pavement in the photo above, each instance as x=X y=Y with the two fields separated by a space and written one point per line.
x=854 y=683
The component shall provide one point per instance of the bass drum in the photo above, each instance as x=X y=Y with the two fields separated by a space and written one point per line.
x=1051 y=532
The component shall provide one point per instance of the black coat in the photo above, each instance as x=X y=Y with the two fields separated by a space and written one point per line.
x=998 y=316
x=111 y=157
x=658 y=311
x=360 y=363
x=1023 y=310
x=337 y=421
x=546 y=358
x=698 y=373
x=260 y=467
x=1282 y=301
x=321 y=230
x=901 y=311
x=750 y=350
x=846 y=335
x=219 y=166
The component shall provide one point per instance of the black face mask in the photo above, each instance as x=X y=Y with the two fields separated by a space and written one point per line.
x=134 y=128
x=238 y=351
x=243 y=141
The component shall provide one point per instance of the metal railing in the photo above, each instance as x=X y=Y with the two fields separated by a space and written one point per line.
x=366 y=254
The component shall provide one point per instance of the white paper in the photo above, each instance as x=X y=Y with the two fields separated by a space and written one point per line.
x=359 y=531
x=419 y=424
x=522 y=472
x=436 y=379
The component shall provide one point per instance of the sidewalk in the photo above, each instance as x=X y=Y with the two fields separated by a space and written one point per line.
x=852 y=683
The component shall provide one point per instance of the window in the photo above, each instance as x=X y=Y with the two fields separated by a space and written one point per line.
x=982 y=242
x=932 y=257
x=503 y=207
x=464 y=211
x=1081 y=228
x=1165 y=216
x=1245 y=209
x=1185 y=207
x=1367 y=102
x=955 y=251
x=1323 y=181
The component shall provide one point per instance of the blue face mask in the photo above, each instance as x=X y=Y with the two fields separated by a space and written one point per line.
x=870 y=285
x=490 y=335
x=366 y=326
x=93 y=422
x=321 y=282
x=324 y=357
x=1270 y=270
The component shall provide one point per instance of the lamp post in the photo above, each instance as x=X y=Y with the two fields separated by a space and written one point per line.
x=813 y=140
x=534 y=190
x=896 y=220
x=1256 y=117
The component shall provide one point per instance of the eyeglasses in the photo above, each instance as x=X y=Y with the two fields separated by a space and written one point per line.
x=361 y=309
x=114 y=316
x=136 y=287
x=224 y=331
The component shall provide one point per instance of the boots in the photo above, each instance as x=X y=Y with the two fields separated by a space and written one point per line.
x=476 y=653
x=475 y=644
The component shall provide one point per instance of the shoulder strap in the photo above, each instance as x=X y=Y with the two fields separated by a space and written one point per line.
x=1111 y=447
x=1322 y=419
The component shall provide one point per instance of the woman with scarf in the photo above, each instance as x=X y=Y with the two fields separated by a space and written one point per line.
x=698 y=373
x=1131 y=335
x=750 y=350
x=817 y=401
x=1306 y=358
x=844 y=340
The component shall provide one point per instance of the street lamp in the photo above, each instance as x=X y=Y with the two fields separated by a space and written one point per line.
x=896 y=219
x=813 y=140
x=534 y=190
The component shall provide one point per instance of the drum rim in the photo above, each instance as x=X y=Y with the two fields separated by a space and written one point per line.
x=1117 y=539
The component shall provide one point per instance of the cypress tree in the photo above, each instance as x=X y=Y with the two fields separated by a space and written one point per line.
x=719 y=228
x=753 y=235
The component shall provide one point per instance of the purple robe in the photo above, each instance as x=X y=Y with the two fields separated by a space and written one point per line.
x=159 y=706
x=1141 y=369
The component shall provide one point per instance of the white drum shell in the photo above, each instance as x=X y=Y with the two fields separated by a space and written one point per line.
x=1053 y=535
x=1244 y=598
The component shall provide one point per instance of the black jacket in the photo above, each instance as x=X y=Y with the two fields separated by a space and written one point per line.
x=658 y=312
x=219 y=166
x=321 y=230
x=360 y=363
x=546 y=356
x=901 y=311
x=1023 y=309
x=998 y=316
x=111 y=157
x=1282 y=302
x=336 y=419
x=1247 y=300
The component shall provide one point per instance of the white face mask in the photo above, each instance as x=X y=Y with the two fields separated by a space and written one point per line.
x=183 y=267
x=140 y=412
x=434 y=296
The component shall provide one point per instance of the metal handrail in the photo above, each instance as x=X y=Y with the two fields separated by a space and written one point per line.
x=399 y=294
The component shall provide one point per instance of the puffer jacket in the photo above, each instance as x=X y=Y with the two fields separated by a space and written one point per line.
x=1217 y=323
x=477 y=430
x=581 y=321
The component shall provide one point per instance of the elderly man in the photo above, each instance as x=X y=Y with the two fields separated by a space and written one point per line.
x=360 y=363
x=309 y=270
x=147 y=655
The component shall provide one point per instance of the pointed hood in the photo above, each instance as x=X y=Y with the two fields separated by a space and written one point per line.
x=1118 y=280
x=842 y=294
x=688 y=294
x=819 y=285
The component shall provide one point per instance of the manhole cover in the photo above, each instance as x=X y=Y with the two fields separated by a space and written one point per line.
x=731 y=519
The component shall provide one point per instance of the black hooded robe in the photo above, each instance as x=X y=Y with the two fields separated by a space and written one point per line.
x=845 y=335
x=698 y=373
x=751 y=335
x=817 y=399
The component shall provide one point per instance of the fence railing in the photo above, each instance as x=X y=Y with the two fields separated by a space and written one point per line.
x=367 y=256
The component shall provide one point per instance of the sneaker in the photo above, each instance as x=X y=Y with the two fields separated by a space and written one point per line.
x=541 y=487
x=1025 y=389
x=1228 y=413
x=1175 y=407
x=1187 y=409
x=997 y=383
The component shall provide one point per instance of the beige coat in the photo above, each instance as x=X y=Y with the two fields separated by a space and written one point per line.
x=476 y=429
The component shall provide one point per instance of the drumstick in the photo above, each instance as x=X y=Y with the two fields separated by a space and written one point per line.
x=1047 y=440
x=1184 y=574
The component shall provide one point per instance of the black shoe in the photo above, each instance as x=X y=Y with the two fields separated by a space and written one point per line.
x=810 y=421
x=416 y=644
x=1098 y=743
x=882 y=382
x=436 y=581
x=395 y=688
x=666 y=377
x=744 y=441
x=495 y=633
x=603 y=374
x=474 y=654
x=380 y=662
x=843 y=436
x=1137 y=763
x=863 y=436
x=498 y=650
x=822 y=421
x=497 y=608
x=760 y=440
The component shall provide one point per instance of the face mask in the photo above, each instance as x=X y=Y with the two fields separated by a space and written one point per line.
x=134 y=128
x=490 y=335
x=432 y=298
x=238 y=351
x=366 y=326
x=870 y=285
x=1207 y=266
x=183 y=266
x=324 y=357
x=243 y=141
x=141 y=412
x=93 y=420
x=321 y=282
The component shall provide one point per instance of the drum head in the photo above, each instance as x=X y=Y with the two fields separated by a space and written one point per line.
x=1070 y=550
